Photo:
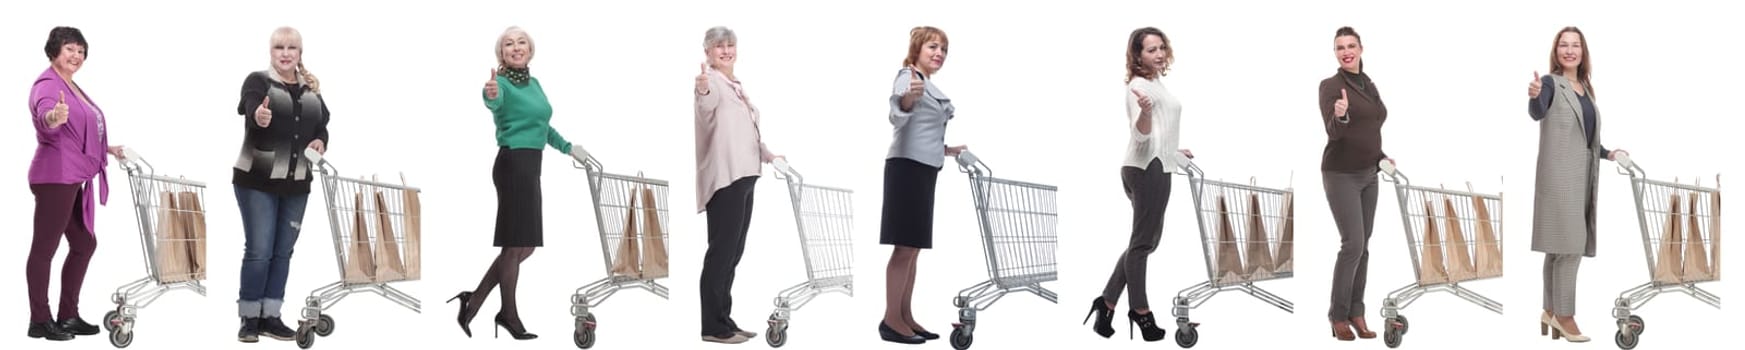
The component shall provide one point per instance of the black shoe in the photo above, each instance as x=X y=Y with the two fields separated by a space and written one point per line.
x=925 y=334
x=50 y=331
x=1147 y=326
x=466 y=316
x=891 y=335
x=1105 y=317
x=78 y=326
x=517 y=331
x=275 y=328
x=251 y=330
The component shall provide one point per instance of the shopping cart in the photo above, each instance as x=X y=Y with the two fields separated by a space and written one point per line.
x=155 y=215
x=825 y=219
x=1655 y=213
x=388 y=208
x=614 y=207
x=1018 y=222
x=1461 y=212
x=1232 y=215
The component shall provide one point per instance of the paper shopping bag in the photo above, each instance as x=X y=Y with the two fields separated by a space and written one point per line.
x=1488 y=253
x=1430 y=269
x=360 y=267
x=1715 y=227
x=628 y=259
x=1696 y=254
x=412 y=219
x=1670 y=263
x=388 y=265
x=1460 y=267
x=1229 y=263
x=1259 y=252
x=1282 y=260
x=171 y=251
x=654 y=254
x=194 y=231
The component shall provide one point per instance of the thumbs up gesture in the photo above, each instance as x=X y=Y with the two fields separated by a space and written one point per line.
x=263 y=115
x=1144 y=101
x=1342 y=106
x=916 y=85
x=1534 y=88
x=491 y=91
x=58 y=116
x=703 y=80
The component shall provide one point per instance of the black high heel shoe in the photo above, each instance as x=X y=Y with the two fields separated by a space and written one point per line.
x=518 y=334
x=1148 y=328
x=1105 y=317
x=464 y=318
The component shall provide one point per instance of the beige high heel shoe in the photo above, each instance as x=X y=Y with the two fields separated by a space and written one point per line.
x=1556 y=330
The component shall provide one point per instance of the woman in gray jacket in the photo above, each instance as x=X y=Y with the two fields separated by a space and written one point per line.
x=1564 y=192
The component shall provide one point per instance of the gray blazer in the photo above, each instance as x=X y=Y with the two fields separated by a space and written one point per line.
x=919 y=134
x=1564 y=192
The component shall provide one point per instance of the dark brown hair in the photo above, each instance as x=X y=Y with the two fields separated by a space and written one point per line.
x=1348 y=31
x=918 y=37
x=61 y=36
x=1136 y=44
x=1582 y=70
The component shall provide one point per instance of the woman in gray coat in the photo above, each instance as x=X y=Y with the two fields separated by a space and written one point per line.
x=1565 y=193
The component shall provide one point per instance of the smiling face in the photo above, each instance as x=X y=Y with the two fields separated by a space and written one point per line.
x=723 y=54
x=515 y=49
x=287 y=51
x=932 y=56
x=1154 y=54
x=1571 y=51
x=1349 y=51
x=71 y=57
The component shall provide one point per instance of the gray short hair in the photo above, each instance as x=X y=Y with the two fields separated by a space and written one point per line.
x=718 y=35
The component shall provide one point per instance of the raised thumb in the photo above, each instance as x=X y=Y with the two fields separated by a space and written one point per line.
x=1342 y=94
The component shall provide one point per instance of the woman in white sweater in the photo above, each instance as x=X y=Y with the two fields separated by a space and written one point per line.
x=1153 y=120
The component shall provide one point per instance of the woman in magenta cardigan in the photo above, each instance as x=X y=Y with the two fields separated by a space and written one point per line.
x=71 y=142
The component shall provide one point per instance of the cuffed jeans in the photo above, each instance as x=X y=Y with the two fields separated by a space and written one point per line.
x=270 y=224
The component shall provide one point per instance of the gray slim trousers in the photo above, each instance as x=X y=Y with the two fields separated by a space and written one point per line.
x=1351 y=197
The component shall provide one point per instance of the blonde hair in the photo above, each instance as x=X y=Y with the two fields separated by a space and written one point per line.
x=292 y=35
x=512 y=30
x=918 y=37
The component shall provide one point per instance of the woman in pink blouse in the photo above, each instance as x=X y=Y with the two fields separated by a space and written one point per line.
x=71 y=142
x=730 y=156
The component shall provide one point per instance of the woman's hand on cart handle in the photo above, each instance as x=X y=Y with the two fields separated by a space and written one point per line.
x=1188 y=153
x=782 y=167
x=955 y=150
x=1387 y=166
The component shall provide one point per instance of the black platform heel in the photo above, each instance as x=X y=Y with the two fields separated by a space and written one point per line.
x=1105 y=318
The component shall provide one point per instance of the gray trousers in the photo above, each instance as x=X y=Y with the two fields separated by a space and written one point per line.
x=1560 y=271
x=1148 y=190
x=1351 y=197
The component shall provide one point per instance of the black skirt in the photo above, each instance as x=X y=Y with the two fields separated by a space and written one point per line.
x=516 y=176
x=907 y=218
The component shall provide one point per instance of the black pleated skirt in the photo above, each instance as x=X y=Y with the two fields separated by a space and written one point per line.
x=907 y=218
x=519 y=219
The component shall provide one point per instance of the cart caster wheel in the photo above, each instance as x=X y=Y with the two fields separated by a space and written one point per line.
x=584 y=338
x=776 y=337
x=1626 y=340
x=1640 y=325
x=121 y=339
x=305 y=338
x=1404 y=326
x=1186 y=337
x=960 y=339
x=1393 y=336
x=324 y=325
x=111 y=320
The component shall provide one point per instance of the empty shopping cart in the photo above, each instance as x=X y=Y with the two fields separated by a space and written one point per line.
x=163 y=231
x=1243 y=228
x=1661 y=208
x=1018 y=222
x=1437 y=222
x=363 y=216
x=824 y=217
x=621 y=200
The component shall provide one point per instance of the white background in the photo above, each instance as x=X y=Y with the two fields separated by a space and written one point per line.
x=1038 y=87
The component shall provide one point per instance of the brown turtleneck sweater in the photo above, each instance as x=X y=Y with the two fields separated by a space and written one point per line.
x=1353 y=144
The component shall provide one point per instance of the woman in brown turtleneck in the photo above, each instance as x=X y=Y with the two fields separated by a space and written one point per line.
x=1352 y=113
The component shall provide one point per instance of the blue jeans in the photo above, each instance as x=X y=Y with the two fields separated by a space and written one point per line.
x=270 y=224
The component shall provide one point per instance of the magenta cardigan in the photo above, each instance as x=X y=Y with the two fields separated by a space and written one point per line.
x=72 y=153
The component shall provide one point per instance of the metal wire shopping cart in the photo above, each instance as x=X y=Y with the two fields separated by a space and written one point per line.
x=825 y=220
x=360 y=225
x=1264 y=218
x=1018 y=222
x=1462 y=212
x=154 y=202
x=1658 y=210
x=615 y=206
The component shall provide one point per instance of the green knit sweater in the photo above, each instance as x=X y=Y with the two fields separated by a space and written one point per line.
x=523 y=117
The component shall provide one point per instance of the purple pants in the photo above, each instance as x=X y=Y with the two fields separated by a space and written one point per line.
x=57 y=215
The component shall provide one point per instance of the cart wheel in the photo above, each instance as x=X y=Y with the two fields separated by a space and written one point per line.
x=584 y=338
x=1186 y=337
x=324 y=325
x=1626 y=340
x=960 y=339
x=121 y=339
x=305 y=337
x=1640 y=326
x=1403 y=325
x=1393 y=336
x=111 y=320
x=776 y=337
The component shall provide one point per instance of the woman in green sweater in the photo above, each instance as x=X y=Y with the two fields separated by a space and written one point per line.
x=523 y=116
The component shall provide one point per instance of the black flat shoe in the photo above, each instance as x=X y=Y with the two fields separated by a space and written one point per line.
x=891 y=335
x=1105 y=317
x=925 y=334
x=519 y=333
x=464 y=318
x=78 y=326
x=50 y=331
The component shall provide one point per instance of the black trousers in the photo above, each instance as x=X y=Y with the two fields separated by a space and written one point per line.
x=729 y=214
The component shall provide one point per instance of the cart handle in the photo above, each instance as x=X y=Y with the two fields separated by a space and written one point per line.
x=589 y=164
x=1392 y=173
x=784 y=171
x=1629 y=167
x=969 y=164
x=320 y=162
x=1187 y=165
x=132 y=162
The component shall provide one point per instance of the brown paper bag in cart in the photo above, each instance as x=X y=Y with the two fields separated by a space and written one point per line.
x=412 y=234
x=388 y=265
x=1282 y=260
x=1259 y=252
x=172 y=259
x=360 y=266
x=1670 y=264
x=1460 y=267
x=1229 y=263
x=1488 y=253
x=629 y=259
x=1430 y=269
x=654 y=254
x=194 y=231
x=1696 y=255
